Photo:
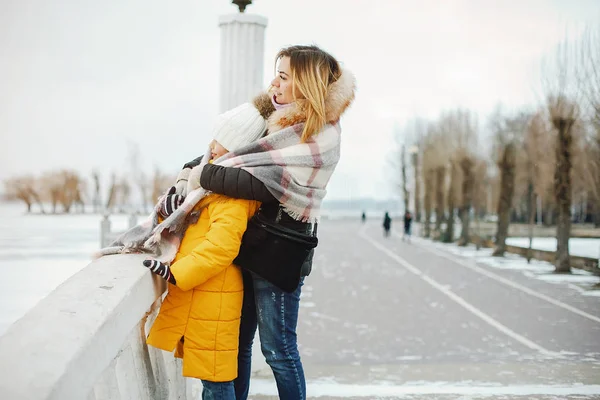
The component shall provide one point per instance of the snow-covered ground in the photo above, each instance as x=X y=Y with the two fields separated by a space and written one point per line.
x=581 y=280
x=577 y=246
x=466 y=390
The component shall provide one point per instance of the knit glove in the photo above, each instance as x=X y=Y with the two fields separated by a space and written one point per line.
x=171 y=202
x=160 y=269
x=182 y=181
x=194 y=178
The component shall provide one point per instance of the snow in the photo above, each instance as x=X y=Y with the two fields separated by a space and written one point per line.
x=329 y=387
x=583 y=247
x=581 y=280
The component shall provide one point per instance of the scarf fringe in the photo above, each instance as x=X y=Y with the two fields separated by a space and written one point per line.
x=299 y=216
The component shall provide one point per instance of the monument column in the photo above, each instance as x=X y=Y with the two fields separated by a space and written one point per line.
x=242 y=55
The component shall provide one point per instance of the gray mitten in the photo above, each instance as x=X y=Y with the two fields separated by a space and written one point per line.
x=193 y=182
x=182 y=182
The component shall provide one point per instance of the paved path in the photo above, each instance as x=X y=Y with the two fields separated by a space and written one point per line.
x=381 y=318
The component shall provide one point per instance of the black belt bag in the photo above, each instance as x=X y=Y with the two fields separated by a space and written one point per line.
x=274 y=252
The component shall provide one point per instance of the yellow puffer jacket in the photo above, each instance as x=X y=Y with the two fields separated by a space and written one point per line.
x=205 y=307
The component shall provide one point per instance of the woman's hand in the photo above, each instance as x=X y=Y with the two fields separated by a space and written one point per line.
x=193 y=182
x=182 y=181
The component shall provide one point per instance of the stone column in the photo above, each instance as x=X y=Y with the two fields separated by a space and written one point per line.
x=242 y=55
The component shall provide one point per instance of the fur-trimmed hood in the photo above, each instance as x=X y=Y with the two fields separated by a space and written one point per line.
x=339 y=97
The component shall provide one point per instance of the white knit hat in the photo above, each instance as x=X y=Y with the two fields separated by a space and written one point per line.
x=238 y=127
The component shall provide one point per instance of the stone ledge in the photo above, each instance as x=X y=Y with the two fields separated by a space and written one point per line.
x=61 y=347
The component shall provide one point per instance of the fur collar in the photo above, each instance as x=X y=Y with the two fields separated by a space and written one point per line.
x=340 y=97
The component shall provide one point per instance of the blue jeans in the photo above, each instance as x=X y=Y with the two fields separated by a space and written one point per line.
x=217 y=390
x=275 y=313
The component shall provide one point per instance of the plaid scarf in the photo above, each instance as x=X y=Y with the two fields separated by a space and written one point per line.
x=295 y=173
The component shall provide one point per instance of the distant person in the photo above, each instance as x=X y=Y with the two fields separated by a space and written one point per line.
x=387 y=224
x=407 y=225
x=363 y=217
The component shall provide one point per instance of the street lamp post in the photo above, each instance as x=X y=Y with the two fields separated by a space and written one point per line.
x=242 y=55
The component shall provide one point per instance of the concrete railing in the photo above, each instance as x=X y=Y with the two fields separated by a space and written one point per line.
x=86 y=340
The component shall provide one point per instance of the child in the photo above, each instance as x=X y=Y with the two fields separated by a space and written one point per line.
x=200 y=316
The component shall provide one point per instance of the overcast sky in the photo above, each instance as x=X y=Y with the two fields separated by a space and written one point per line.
x=80 y=80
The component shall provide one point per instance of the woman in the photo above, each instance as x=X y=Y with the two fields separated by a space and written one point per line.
x=310 y=92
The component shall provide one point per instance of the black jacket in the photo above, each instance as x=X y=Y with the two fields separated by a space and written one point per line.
x=235 y=182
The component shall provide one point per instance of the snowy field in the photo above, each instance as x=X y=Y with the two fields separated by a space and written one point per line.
x=577 y=247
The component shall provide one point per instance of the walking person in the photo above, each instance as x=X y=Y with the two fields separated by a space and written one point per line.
x=309 y=93
x=387 y=224
x=407 y=225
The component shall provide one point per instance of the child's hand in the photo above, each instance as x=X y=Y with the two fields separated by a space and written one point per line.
x=160 y=269
x=171 y=202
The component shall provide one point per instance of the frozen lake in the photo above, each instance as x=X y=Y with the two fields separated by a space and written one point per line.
x=39 y=252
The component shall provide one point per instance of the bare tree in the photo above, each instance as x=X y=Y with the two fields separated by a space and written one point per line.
x=435 y=160
x=507 y=135
x=123 y=195
x=428 y=200
x=563 y=116
x=588 y=76
x=23 y=188
x=51 y=185
x=417 y=175
x=140 y=179
x=420 y=128
x=112 y=193
x=452 y=196
x=145 y=187
x=97 y=198
x=433 y=172
x=480 y=183
x=160 y=183
x=562 y=105
x=534 y=165
x=405 y=192
x=440 y=180
x=70 y=189
x=465 y=154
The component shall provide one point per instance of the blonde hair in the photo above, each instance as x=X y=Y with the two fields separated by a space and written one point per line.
x=313 y=70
